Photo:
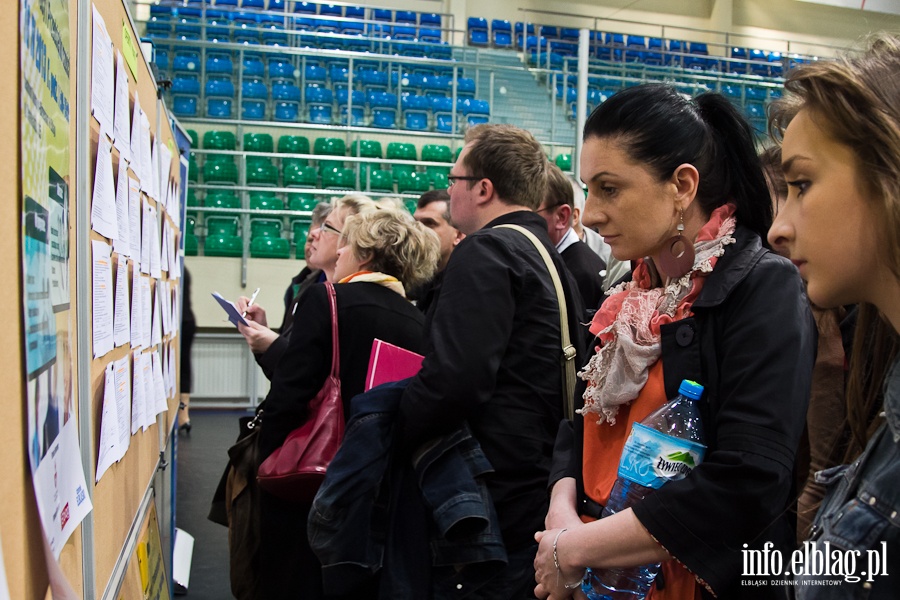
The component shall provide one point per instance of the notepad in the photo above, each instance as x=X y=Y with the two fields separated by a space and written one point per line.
x=228 y=306
x=390 y=363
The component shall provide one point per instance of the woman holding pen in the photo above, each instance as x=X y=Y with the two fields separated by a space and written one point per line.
x=380 y=253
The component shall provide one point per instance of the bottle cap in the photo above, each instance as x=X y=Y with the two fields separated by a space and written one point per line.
x=691 y=389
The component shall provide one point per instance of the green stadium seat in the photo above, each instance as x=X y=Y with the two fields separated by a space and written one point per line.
x=381 y=181
x=217 y=226
x=192 y=198
x=264 y=227
x=411 y=205
x=401 y=151
x=219 y=140
x=191 y=244
x=215 y=171
x=564 y=162
x=265 y=201
x=270 y=247
x=433 y=172
x=193 y=169
x=366 y=149
x=339 y=179
x=293 y=144
x=401 y=171
x=298 y=201
x=437 y=153
x=223 y=245
x=222 y=199
x=258 y=142
x=195 y=141
x=301 y=232
x=413 y=183
x=330 y=147
x=190 y=224
x=440 y=181
x=300 y=176
x=261 y=172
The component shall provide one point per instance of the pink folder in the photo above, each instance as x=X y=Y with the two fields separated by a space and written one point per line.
x=390 y=363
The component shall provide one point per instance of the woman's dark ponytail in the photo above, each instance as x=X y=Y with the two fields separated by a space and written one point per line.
x=737 y=172
x=661 y=128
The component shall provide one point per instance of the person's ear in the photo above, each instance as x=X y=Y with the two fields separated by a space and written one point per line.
x=485 y=190
x=564 y=214
x=685 y=180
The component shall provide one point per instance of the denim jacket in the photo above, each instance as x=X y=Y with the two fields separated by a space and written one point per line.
x=860 y=517
x=354 y=527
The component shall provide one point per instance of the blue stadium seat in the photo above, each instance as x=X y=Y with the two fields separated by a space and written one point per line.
x=257 y=4
x=415 y=111
x=384 y=109
x=357 y=111
x=315 y=74
x=219 y=97
x=501 y=33
x=654 y=54
x=430 y=36
x=430 y=20
x=286 y=100
x=569 y=34
x=308 y=8
x=478 y=31
x=465 y=87
x=161 y=59
x=438 y=85
x=187 y=29
x=219 y=63
x=185 y=105
x=548 y=31
x=520 y=28
x=186 y=83
x=254 y=94
x=186 y=60
x=442 y=108
x=373 y=80
x=636 y=46
x=253 y=66
x=280 y=67
x=355 y=12
x=403 y=33
x=331 y=10
x=319 y=104
x=476 y=111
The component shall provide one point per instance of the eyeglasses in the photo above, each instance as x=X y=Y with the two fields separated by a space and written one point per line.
x=546 y=208
x=326 y=226
x=452 y=179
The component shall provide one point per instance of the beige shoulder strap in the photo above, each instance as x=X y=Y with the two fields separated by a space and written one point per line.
x=567 y=347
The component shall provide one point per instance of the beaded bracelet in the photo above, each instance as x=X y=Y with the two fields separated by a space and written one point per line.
x=568 y=586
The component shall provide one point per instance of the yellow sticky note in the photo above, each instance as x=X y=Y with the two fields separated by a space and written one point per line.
x=130 y=49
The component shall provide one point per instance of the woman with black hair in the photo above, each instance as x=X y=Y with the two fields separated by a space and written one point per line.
x=675 y=185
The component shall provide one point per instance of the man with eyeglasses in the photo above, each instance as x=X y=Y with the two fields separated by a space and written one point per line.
x=493 y=356
x=586 y=267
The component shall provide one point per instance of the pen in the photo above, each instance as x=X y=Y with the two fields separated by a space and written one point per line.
x=249 y=304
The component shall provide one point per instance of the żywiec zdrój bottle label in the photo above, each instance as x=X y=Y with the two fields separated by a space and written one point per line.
x=651 y=458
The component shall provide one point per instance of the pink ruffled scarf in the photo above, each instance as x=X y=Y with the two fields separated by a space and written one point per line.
x=628 y=322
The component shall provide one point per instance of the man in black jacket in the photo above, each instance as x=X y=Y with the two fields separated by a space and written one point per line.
x=493 y=354
x=433 y=211
x=586 y=266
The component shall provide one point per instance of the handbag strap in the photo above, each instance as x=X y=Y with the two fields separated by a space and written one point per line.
x=335 y=348
x=567 y=347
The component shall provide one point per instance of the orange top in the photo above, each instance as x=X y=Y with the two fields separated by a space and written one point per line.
x=603 y=445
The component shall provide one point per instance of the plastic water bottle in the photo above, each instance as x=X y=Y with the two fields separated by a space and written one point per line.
x=664 y=447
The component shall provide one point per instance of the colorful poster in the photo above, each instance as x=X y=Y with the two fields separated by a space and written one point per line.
x=59 y=482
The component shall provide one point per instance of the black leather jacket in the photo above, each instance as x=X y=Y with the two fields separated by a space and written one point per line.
x=752 y=344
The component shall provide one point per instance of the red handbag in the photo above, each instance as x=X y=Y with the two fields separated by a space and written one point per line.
x=296 y=469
